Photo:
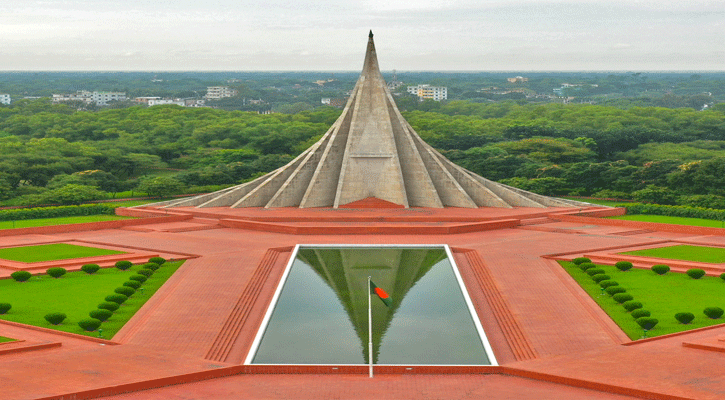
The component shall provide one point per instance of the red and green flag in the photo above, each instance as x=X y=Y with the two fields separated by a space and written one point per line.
x=384 y=296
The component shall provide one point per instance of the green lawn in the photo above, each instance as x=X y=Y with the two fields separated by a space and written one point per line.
x=715 y=255
x=50 y=252
x=76 y=294
x=673 y=220
x=32 y=223
x=4 y=339
x=664 y=296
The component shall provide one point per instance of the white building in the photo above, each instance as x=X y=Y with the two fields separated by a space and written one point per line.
x=158 y=102
x=4 y=98
x=220 y=92
x=436 y=93
x=102 y=98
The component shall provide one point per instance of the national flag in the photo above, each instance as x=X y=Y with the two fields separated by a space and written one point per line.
x=384 y=296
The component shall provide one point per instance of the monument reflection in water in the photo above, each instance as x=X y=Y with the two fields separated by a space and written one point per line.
x=321 y=316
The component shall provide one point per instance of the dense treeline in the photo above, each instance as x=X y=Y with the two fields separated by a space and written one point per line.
x=53 y=153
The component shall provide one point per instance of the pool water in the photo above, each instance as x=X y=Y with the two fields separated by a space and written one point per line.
x=321 y=312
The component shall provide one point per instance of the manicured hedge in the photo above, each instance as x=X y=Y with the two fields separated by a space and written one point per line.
x=157 y=260
x=123 y=265
x=21 y=276
x=116 y=298
x=580 y=260
x=646 y=322
x=606 y=284
x=695 y=273
x=631 y=305
x=622 y=297
x=53 y=212
x=56 y=272
x=639 y=313
x=5 y=307
x=713 y=312
x=139 y=278
x=594 y=271
x=623 y=265
x=125 y=290
x=601 y=277
x=90 y=324
x=612 y=290
x=132 y=284
x=101 y=314
x=586 y=265
x=675 y=211
x=55 y=318
x=90 y=268
x=660 y=269
x=684 y=317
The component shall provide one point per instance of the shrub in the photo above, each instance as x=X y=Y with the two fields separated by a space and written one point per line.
x=161 y=260
x=90 y=268
x=125 y=290
x=123 y=265
x=606 y=284
x=722 y=276
x=601 y=277
x=5 y=307
x=695 y=273
x=151 y=266
x=580 y=260
x=622 y=297
x=51 y=212
x=56 y=272
x=55 y=318
x=639 y=313
x=101 y=314
x=586 y=265
x=684 y=317
x=594 y=271
x=116 y=298
x=646 y=323
x=713 y=312
x=631 y=305
x=109 y=305
x=132 y=284
x=623 y=265
x=145 y=272
x=21 y=276
x=612 y=290
x=660 y=269
x=138 y=278
x=89 y=325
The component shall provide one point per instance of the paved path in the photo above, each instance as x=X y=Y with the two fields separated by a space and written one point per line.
x=202 y=322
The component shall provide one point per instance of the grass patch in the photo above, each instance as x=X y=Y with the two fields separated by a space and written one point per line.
x=33 y=223
x=76 y=294
x=664 y=296
x=4 y=339
x=51 y=252
x=715 y=255
x=662 y=219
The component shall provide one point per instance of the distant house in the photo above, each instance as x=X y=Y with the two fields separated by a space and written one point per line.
x=220 y=92
x=99 y=98
x=518 y=79
x=423 y=92
x=4 y=98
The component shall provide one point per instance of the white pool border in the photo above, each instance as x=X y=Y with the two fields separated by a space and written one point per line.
x=293 y=256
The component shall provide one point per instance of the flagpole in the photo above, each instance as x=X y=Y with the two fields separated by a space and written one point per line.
x=370 y=330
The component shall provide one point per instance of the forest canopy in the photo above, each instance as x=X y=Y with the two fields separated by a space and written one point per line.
x=647 y=153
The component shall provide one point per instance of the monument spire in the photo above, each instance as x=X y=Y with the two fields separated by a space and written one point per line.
x=370 y=152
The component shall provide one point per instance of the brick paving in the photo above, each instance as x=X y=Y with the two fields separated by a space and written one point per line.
x=550 y=338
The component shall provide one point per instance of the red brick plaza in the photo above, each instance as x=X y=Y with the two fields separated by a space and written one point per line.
x=189 y=341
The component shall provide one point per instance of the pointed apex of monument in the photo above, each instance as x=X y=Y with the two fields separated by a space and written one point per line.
x=371 y=34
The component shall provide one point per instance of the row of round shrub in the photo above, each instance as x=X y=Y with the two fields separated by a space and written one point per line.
x=53 y=212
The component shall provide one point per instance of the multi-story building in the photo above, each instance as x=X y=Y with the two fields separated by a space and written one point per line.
x=4 y=98
x=518 y=79
x=436 y=93
x=220 y=92
x=102 y=98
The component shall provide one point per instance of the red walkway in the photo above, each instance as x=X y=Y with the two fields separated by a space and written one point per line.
x=550 y=337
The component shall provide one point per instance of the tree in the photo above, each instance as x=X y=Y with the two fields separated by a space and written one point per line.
x=160 y=186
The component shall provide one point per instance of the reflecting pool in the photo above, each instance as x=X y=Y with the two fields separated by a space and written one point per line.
x=321 y=311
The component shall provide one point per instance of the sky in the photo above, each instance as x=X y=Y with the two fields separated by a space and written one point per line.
x=330 y=35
